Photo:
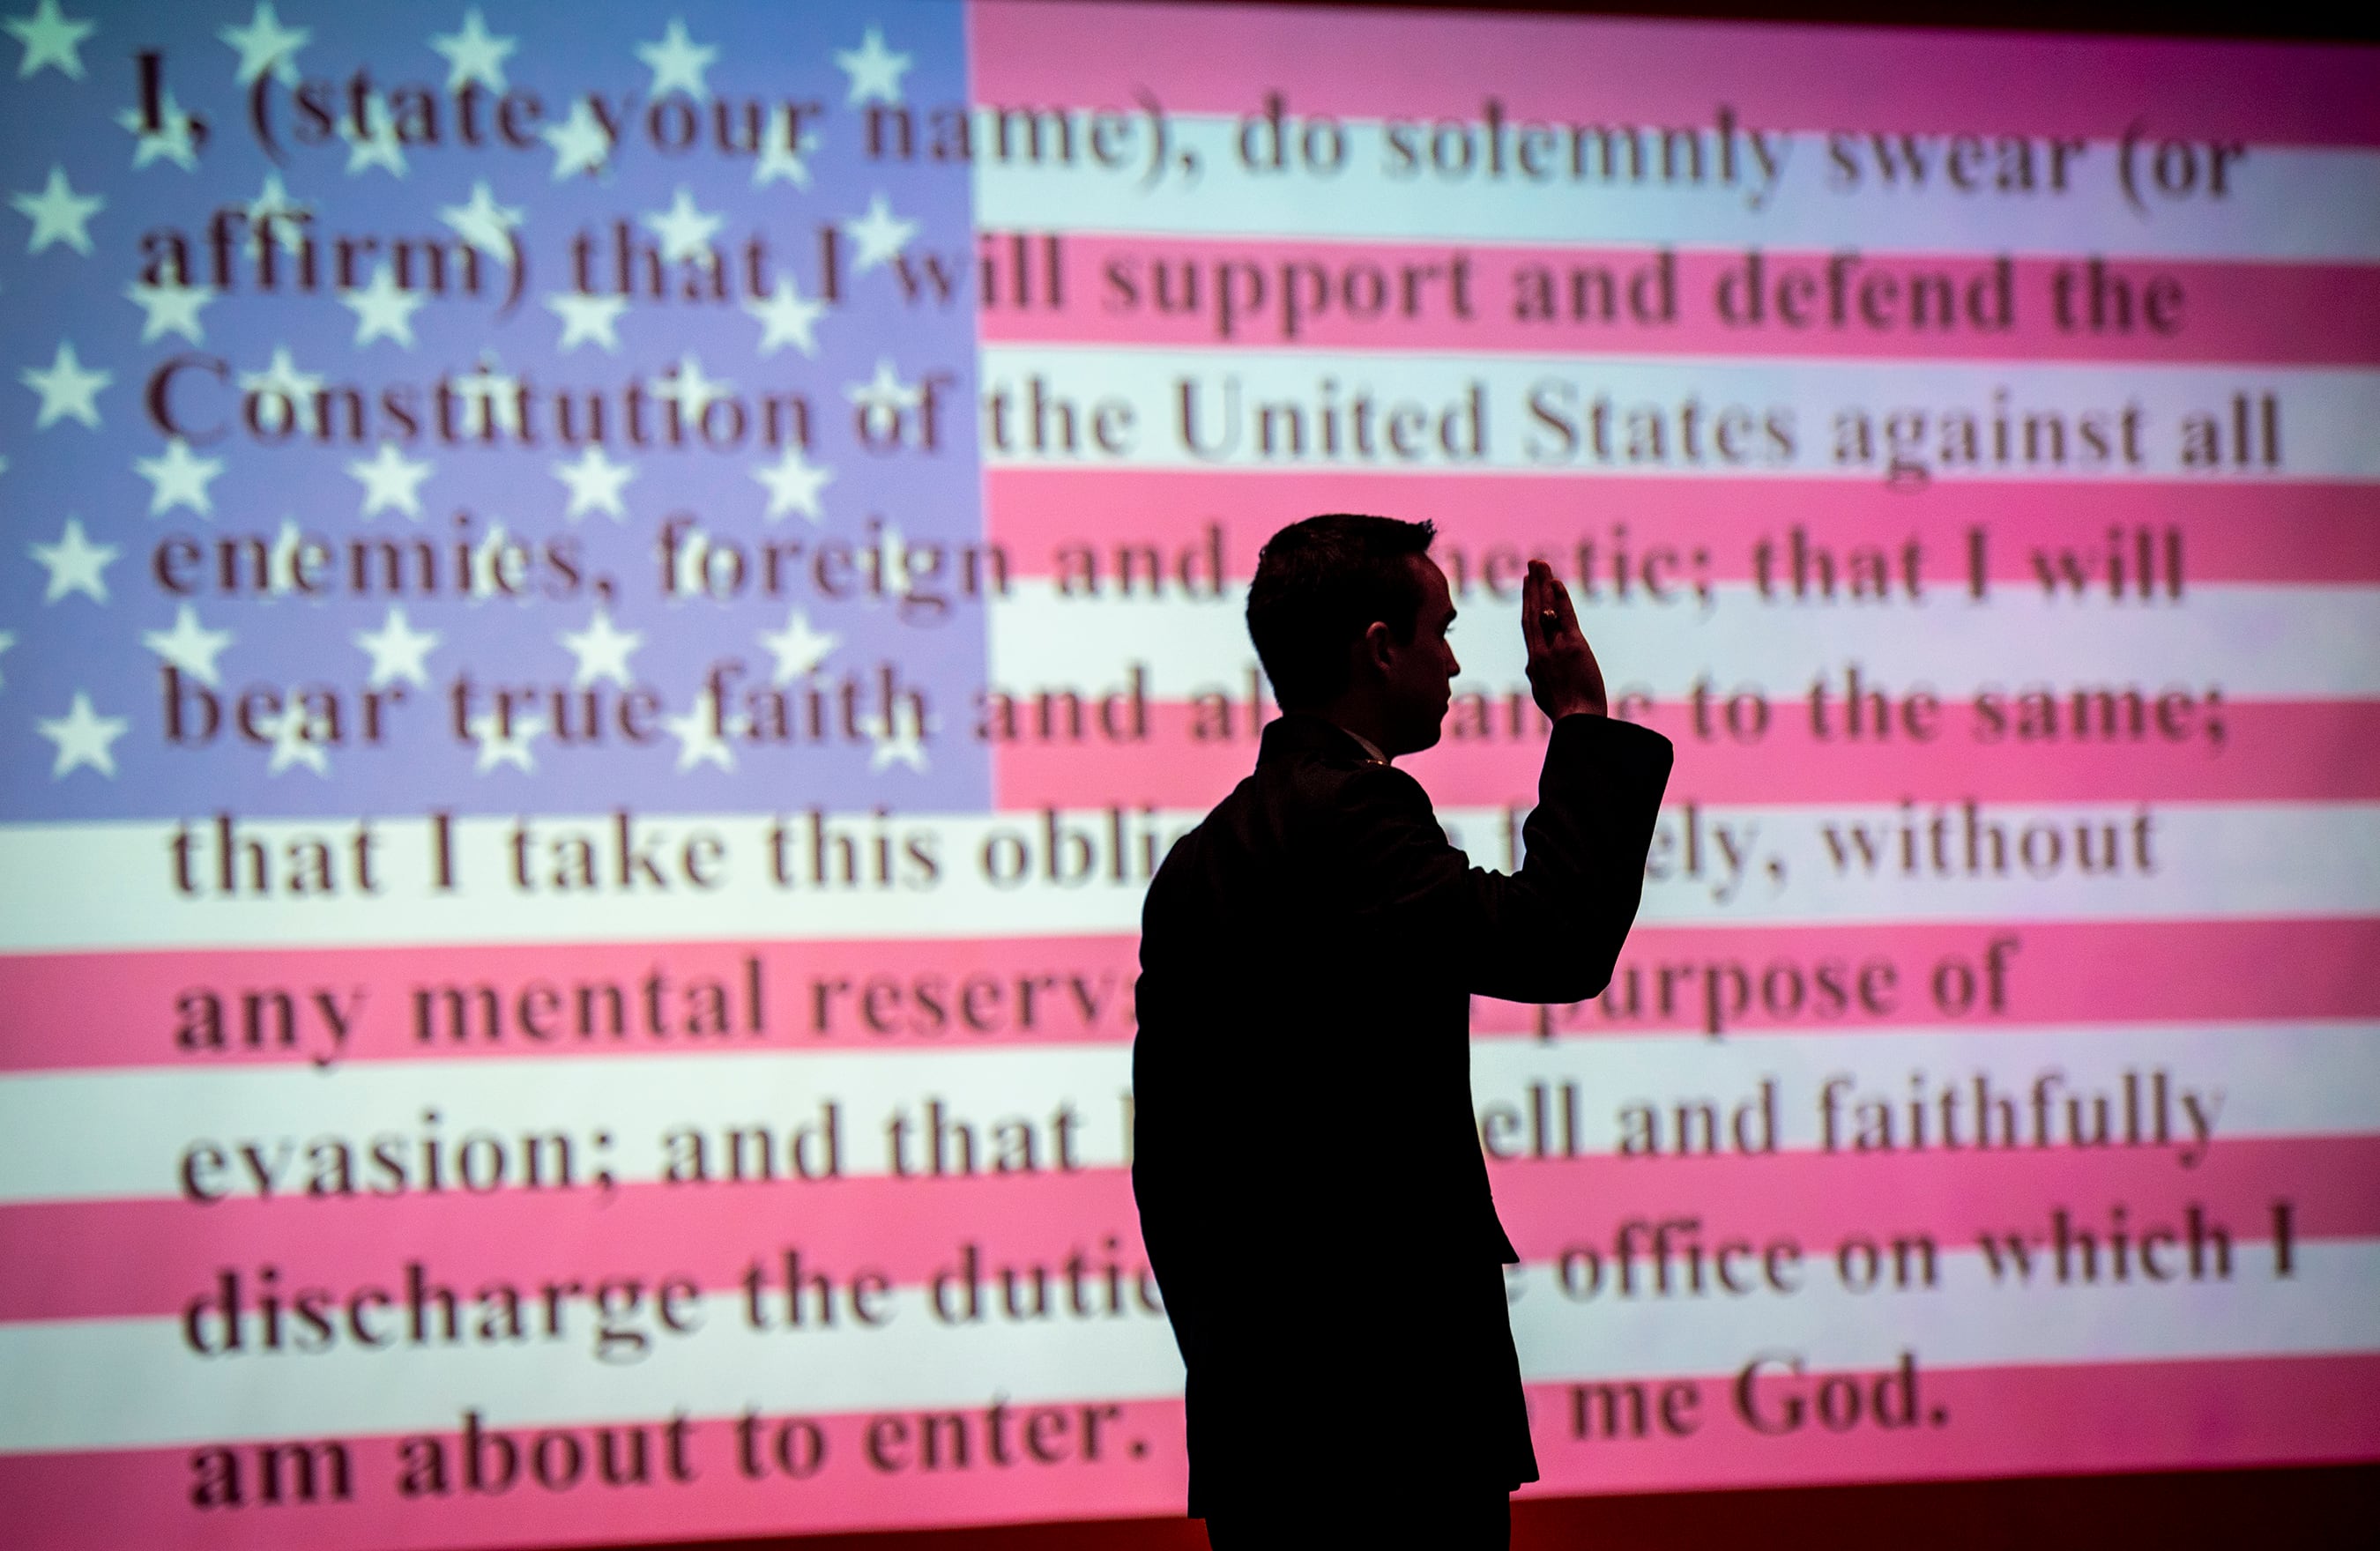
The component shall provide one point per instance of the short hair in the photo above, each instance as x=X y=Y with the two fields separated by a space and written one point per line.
x=1320 y=585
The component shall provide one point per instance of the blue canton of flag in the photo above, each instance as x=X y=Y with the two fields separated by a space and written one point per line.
x=484 y=413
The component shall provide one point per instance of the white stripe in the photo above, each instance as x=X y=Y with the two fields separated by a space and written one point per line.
x=101 y=886
x=1519 y=413
x=148 y=1118
x=2331 y=1304
x=2249 y=640
x=2254 y=1073
x=132 y=1383
x=106 y=885
x=2202 y=860
x=2284 y=203
x=124 y=1135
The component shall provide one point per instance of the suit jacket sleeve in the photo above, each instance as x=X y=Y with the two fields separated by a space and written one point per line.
x=1552 y=931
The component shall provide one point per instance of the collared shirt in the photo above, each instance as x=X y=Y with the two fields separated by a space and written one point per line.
x=1370 y=746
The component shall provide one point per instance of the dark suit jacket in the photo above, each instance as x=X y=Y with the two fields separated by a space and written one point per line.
x=1310 y=1182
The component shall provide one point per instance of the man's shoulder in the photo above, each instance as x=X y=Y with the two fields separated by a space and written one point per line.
x=1183 y=859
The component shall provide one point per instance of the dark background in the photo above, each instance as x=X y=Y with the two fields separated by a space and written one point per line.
x=2250 y=1509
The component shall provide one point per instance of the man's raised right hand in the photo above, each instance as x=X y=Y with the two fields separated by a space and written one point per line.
x=1563 y=673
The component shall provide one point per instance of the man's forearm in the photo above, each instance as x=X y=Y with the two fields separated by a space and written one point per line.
x=1598 y=798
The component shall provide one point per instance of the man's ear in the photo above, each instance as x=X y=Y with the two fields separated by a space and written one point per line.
x=1379 y=646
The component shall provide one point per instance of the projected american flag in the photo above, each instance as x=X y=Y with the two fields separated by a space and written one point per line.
x=606 y=611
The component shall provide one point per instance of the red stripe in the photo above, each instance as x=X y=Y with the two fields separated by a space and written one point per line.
x=100 y=1011
x=911 y=1230
x=1613 y=71
x=1339 y=295
x=2296 y=532
x=1996 y=1421
x=109 y=1499
x=905 y=1229
x=1766 y=978
x=107 y=1009
x=2201 y=751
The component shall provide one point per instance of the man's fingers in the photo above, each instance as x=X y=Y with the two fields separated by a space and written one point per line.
x=1549 y=620
x=1548 y=602
x=1567 y=615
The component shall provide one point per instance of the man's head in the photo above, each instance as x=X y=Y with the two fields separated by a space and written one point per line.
x=1349 y=615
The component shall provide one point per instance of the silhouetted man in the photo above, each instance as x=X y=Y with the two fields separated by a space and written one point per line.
x=1311 y=1188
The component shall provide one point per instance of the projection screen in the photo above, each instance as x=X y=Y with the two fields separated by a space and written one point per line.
x=607 y=610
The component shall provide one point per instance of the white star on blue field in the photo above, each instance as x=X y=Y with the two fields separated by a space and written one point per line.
x=397 y=398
